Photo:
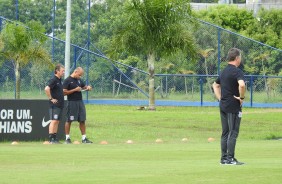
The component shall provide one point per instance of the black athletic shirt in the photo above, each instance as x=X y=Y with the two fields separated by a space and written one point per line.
x=71 y=83
x=228 y=81
x=56 y=89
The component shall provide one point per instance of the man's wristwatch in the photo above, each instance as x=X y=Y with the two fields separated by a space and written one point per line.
x=50 y=99
x=242 y=98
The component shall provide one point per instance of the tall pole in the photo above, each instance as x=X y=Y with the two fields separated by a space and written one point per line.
x=0 y=24
x=88 y=43
x=67 y=44
x=53 y=29
x=219 y=48
x=257 y=5
x=17 y=9
x=17 y=18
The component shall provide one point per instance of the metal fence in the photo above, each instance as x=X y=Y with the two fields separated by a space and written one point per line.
x=250 y=6
x=178 y=81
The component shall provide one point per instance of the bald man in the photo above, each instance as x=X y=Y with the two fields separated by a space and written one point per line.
x=72 y=87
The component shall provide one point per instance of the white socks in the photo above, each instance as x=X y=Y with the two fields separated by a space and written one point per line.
x=83 y=137
x=68 y=137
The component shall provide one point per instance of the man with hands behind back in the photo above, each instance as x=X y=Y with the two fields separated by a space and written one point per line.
x=229 y=89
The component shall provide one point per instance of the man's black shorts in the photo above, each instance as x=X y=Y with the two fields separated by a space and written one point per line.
x=55 y=113
x=76 y=111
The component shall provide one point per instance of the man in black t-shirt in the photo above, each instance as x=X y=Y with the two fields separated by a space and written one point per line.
x=229 y=89
x=55 y=94
x=73 y=85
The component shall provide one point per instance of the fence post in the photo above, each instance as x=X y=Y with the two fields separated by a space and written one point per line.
x=0 y=24
x=251 y=91
x=74 y=57
x=17 y=9
x=15 y=84
x=88 y=44
x=201 y=90
x=53 y=29
x=218 y=51
x=166 y=85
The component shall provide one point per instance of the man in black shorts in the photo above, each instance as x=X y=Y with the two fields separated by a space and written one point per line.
x=229 y=89
x=55 y=94
x=73 y=85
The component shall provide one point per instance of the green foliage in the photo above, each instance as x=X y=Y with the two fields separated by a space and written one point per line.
x=99 y=70
x=1 y=43
x=228 y=17
x=204 y=1
x=216 y=1
x=37 y=10
x=21 y=42
x=7 y=9
x=23 y=45
x=154 y=26
x=132 y=61
x=106 y=17
x=267 y=27
x=39 y=73
x=110 y=17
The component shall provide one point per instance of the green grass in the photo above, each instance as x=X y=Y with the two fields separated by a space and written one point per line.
x=145 y=161
x=258 y=97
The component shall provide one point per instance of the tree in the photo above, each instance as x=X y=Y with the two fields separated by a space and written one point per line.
x=38 y=10
x=228 y=16
x=156 y=28
x=267 y=28
x=38 y=74
x=185 y=72
x=7 y=9
x=263 y=59
x=205 y=54
x=23 y=45
x=1 y=43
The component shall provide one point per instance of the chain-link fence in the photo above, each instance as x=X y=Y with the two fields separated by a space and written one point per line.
x=178 y=81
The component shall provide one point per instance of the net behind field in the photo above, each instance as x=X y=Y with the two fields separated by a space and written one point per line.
x=177 y=81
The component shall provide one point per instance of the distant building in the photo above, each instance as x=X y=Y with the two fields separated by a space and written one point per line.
x=254 y=5
x=264 y=1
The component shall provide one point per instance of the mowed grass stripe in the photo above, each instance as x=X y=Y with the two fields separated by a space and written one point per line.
x=139 y=163
x=145 y=161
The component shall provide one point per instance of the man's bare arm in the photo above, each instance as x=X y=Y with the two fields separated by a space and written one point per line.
x=217 y=90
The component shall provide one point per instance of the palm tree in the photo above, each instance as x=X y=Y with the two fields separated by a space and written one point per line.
x=165 y=69
x=205 y=54
x=185 y=72
x=23 y=45
x=1 y=43
x=264 y=59
x=155 y=28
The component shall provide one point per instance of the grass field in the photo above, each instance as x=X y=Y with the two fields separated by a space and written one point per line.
x=146 y=161
x=257 y=96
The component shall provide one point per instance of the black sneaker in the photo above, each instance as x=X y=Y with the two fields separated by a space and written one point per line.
x=68 y=141
x=223 y=161
x=86 y=141
x=234 y=161
x=54 y=141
